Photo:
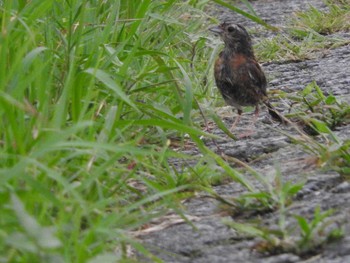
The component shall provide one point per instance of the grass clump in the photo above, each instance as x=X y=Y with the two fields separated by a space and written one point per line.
x=285 y=47
x=320 y=114
x=91 y=95
x=335 y=18
x=307 y=34
x=305 y=239
x=312 y=103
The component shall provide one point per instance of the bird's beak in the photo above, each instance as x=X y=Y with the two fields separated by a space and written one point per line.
x=216 y=30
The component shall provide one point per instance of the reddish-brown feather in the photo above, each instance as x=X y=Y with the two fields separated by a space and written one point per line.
x=237 y=61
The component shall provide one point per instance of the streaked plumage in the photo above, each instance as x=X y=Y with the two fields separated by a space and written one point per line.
x=238 y=76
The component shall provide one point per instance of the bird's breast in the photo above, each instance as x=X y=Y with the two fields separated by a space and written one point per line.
x=237 y=61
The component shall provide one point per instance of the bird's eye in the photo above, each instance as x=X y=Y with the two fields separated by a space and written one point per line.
x=230 y=29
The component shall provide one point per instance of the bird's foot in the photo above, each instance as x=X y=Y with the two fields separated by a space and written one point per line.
x=234 y=124
x=246 y=134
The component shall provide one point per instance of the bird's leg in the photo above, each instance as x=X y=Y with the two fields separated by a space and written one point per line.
x=236 y=120
x=252 y=126
x=256 y=115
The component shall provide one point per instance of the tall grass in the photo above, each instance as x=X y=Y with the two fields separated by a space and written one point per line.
x=91 y=92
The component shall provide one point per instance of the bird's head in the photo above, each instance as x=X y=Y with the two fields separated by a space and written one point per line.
x=234 y=35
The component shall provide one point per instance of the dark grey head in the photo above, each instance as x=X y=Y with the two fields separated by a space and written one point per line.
x=234 y=35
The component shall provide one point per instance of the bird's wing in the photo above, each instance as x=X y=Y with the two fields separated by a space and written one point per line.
x=255 y=77
x=223 y=79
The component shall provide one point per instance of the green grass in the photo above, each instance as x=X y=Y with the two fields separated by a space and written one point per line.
x=319 y=115
x=308 y=33
x=92 y=95
x=296 y=45
x=97 y=100
x=334 y=19
x=304 y=237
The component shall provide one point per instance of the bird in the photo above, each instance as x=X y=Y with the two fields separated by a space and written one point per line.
x=238 y=76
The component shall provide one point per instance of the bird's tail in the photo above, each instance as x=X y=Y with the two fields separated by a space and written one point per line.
x=276 y=115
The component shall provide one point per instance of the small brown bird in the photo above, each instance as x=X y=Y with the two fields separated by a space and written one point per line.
x=238 y=75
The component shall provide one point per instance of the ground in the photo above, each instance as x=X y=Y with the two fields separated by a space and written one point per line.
x=209 y=239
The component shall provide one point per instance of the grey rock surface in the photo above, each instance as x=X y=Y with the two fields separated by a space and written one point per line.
x=211 y=240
